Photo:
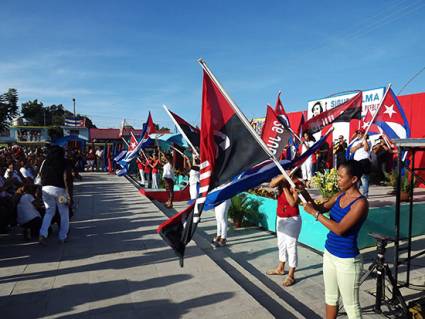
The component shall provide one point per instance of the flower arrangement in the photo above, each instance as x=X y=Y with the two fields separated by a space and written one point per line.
x=326 y=182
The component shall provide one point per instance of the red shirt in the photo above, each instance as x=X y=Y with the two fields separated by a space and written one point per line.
x=155 y=165
x=147 y=167
x=283 y=207
x=140 y=165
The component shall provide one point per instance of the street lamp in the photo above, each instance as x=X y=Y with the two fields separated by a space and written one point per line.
x=73 y=100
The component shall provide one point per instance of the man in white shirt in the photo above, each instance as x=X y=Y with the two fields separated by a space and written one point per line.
x=361 y=149
x=99 y=159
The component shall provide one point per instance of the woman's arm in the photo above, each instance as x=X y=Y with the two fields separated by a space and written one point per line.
x=291 y=196
x=276 y=181
x=357 y=212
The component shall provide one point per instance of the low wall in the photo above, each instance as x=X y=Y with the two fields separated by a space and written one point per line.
x=379 y=220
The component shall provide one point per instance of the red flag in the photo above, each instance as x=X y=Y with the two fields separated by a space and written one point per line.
x=342 y=113
x=191 y=133
x=274 y=133
x=150 y=126
x=227 y=149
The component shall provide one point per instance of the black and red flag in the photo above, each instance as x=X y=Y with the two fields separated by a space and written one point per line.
x=350 y=109
x=275 y=133
x=227 y=148
x=189 y=132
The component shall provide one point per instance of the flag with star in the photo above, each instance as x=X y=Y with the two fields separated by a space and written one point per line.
x=133 y=142
x=390 y=118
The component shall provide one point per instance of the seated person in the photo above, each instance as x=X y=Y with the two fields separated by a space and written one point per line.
x=28 y=216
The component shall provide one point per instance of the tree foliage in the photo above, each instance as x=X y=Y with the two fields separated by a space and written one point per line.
x=8 y=108
x=54 y=115
x=34 y=112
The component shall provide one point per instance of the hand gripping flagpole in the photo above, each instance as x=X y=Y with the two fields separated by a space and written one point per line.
x=377 y=110
x=181 y=131
x=249 y=127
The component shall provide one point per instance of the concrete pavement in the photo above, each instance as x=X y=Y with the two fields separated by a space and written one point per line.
x=115 y=266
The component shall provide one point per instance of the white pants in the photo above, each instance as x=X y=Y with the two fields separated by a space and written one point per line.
x=142 y=176
x=193 y=190
x=51 y=195
x=155 y=180
x=307 y=169
x=288 y=229
x=221 y=218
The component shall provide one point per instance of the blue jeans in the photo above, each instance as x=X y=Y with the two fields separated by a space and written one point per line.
x=365 y=185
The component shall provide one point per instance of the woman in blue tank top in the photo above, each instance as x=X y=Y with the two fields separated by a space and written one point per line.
x=341 y=263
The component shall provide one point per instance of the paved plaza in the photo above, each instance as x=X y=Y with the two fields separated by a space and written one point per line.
x=115 y=265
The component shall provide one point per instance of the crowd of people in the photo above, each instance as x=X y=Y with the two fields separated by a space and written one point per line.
x=377 y=158
x=36 y=189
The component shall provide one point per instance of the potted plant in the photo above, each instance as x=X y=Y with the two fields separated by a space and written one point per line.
x=244 y=210
x=404 y=186
x=326 y=182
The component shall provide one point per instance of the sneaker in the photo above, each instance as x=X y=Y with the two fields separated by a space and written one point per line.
x=42 y=240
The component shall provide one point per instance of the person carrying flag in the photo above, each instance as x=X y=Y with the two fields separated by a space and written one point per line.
x=361 y=153
x=341 y=263
x=141 y=168
x=168 y=176
x=288 y=227
x=147 y=171
x=307 y=166
x=220 y=212
x=155 y=163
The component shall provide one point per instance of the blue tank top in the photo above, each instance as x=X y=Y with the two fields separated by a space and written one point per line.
x=344 y=246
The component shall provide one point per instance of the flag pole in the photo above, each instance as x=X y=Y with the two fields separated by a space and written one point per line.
x=377 y=110
x=249 y=127
x=181 y=131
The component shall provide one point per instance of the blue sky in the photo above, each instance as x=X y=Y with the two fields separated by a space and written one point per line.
x=120 y=59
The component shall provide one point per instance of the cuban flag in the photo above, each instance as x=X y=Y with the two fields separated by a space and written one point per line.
x=134 y=148
x=390 y=119
x=280 y=112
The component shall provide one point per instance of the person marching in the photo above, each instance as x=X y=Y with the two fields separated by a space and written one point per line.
x=155 y=164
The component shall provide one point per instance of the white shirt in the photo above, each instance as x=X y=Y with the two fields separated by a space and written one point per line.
x=26 y=172
x=14 y=175
x=26 y=210
x=193 y=177
x=99 y=153
x=304 y=148
x=361 y=153
x=167 y=171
